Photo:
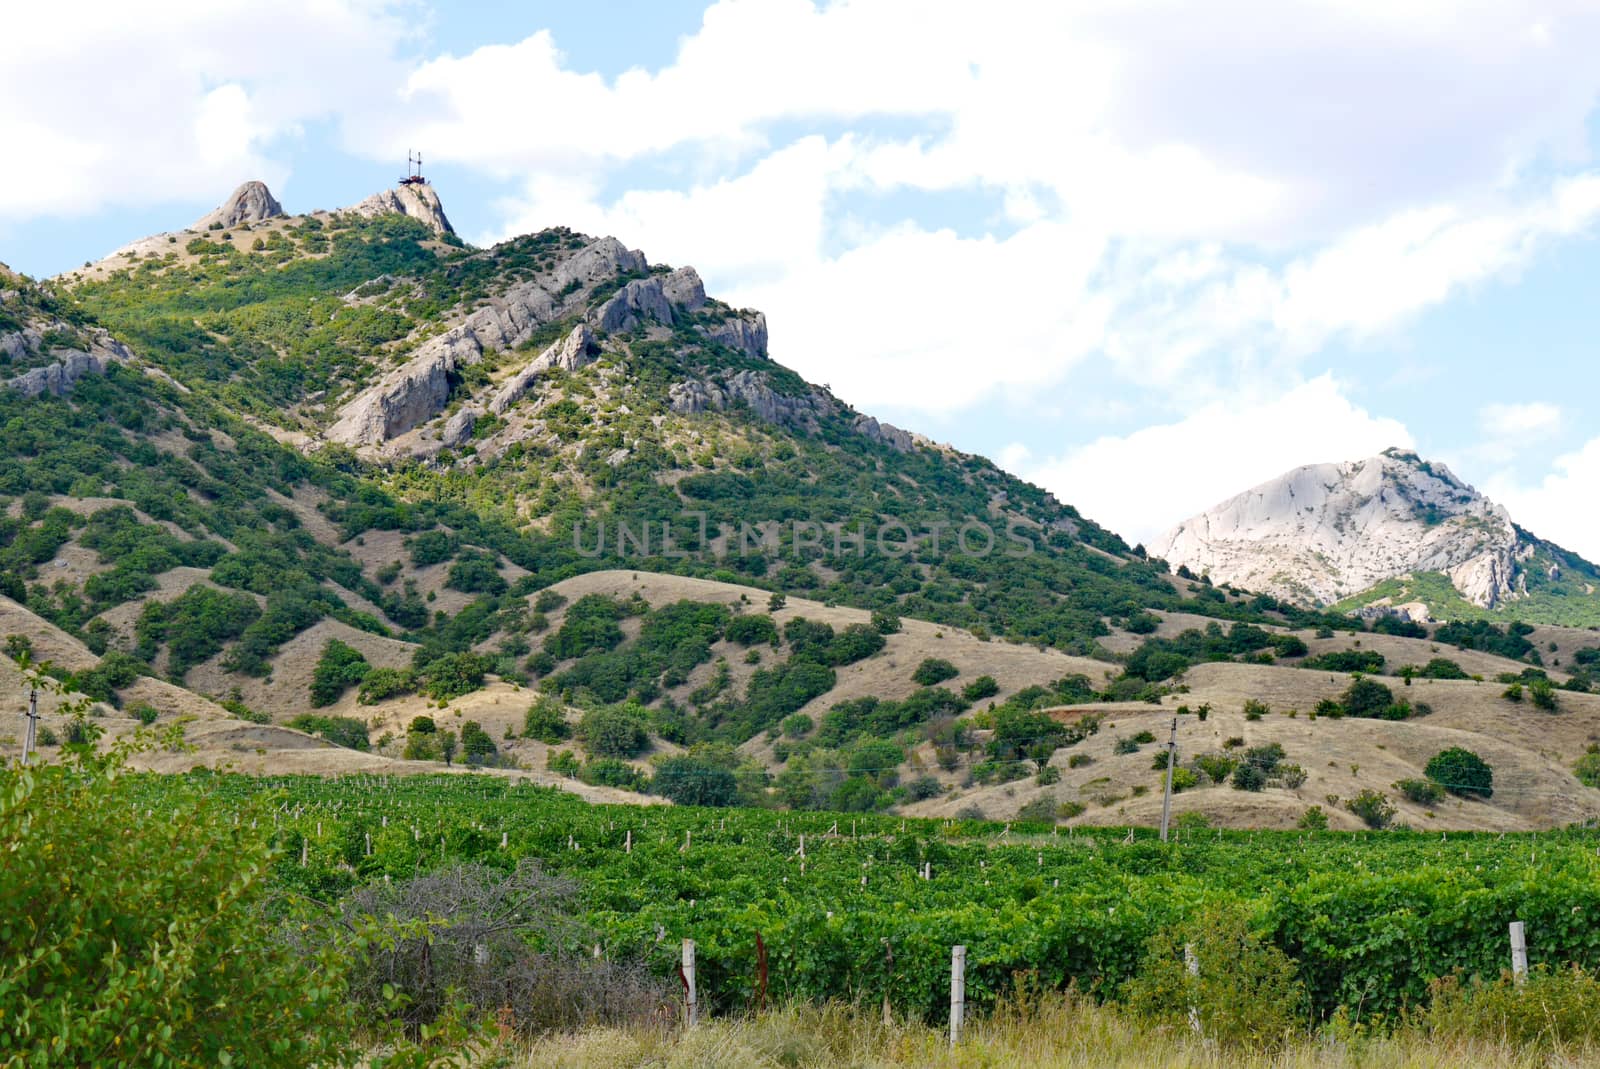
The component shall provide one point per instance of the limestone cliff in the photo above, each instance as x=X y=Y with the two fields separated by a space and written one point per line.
x=1325 y=532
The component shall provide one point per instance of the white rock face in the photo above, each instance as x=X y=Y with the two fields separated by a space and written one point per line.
x=252 y=202
x=1326 y=531
x=569 y=354
x=417 y=200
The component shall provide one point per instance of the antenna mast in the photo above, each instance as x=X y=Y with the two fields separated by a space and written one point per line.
x=413 y=169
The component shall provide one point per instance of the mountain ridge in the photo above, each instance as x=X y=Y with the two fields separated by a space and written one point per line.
x=1327 y=534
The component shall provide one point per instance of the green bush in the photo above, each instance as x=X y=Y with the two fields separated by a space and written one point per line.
x=1588 y=767
x=1421 y=791
x=1374 y=809
x=980 y=688
x=546 y=721
x=1313 y=819
x=1460 y=771
x=338 y=669
x=1248 y=777
x=1245 y=993
x=476 y=745
x=344 y=731
x=752 y=630
x=455 y=674
x=693 y=781
x=380 y=684
x=614 y=731
x=180 y=962
x=610 y=772
x=934 y=670
x=1366 y=697
x=1551 y=1008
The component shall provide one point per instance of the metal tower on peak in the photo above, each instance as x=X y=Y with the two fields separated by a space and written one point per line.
x=413 y=170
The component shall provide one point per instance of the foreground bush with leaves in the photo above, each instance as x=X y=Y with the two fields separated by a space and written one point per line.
x=134 y=937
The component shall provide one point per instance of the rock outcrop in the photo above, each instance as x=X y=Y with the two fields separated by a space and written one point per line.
x=417 y=391
x=568 y=354
x=416 y=200
x=652 y=300
x=641 y=301
x=252 y=202
x=1325 y=532
x=752 y=390
x=746 y=332
x=887 y=434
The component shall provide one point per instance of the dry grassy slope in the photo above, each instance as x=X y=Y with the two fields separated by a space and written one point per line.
x=1530 y=751
x=216 y=738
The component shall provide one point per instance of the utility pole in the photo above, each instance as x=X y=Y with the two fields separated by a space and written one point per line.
x=1166 y=801
x=33 y=723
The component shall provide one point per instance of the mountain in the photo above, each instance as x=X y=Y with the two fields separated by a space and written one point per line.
x=1392 y=532
x=285 y=481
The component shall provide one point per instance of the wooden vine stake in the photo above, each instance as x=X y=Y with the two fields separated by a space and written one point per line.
x=1519 y=953
x=1191 y=961
x=958 y=992
x=691 y=1005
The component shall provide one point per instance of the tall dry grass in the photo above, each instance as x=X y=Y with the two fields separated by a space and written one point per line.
x=1053 y=1031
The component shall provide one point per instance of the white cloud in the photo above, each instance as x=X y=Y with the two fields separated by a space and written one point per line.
x=1563 y=505
x=1143 y=483
x=1525 y=420
x=110 y=103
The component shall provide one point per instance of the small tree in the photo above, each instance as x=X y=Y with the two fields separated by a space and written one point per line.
x=447 y=745
x=1373 y=808
x=1366 y=697
x=1462 y=772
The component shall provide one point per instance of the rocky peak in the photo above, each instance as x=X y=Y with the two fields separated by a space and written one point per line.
x=416 y=200
x=1324 y=532
x=252 y=202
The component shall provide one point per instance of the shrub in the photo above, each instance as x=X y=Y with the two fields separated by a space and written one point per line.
x=923 y=788
x=1255 y=710
x=797 y=726
x=338 y=669
x=475 y=573
x=526 y=922
x=1513 y=692
x=1462 y=772
x=143 y=712
x=1042 y=810
x=610 y=772
x=1078 y=760
x=885 y=623
x=695 y=781
x=1551 y=1008
x=1217 y=766
x=546 y=721
x=752 y=630
x=1047 y=775
x=1543 y=694
x=476 y=745
x=1245 y=995
x=1421 y=791
x=1588 y=767
x=1124 y=745
x=1248 y=777
x=344 y=731
x=381 y=684
x=1184 y=778
x=980 y=688
x=1443 y=668
x=455 y=674
x=212 y=980
x=934 y=670
x=1372 y=807
x=1366 y=697
x=1313 y=819
x=614 y=731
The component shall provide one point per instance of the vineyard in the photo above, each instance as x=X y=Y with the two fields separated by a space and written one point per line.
x=866 y=908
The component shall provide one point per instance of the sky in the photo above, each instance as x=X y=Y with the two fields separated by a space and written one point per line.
x=1143 y=253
